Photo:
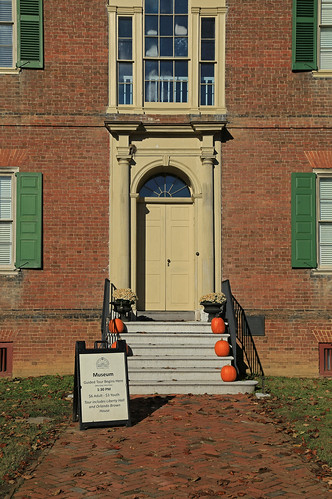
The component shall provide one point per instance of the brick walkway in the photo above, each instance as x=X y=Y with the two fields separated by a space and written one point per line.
x=178 y=447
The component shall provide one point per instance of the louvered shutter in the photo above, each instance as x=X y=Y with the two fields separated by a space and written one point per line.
x=304 y=220
x=30 y=34
x=304 y=55
x=29 y=221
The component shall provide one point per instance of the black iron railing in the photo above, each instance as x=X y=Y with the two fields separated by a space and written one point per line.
x=107 y=312
x=244 y=350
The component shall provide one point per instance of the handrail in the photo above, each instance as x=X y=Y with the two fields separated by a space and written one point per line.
x=107 y=312
x=240 y=329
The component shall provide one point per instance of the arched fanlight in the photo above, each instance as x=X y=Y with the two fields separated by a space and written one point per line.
x=165 y=185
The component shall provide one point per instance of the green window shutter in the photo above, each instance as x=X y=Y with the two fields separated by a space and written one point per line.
x=30 y=33
x=304 y=220
x=29 y=221
x=304 y=56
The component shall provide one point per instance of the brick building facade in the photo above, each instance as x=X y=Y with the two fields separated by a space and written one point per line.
x=65 y=120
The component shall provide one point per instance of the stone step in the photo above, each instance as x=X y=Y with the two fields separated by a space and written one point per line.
x=211 y=388
x=172 y=374
x=184 y=351
x=168 y=327
x=172 y=361
x=170 y=339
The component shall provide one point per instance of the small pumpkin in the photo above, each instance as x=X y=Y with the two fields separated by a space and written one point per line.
x=228 y=373
x=116 y=326
x=218 y=325
x=222 y=348
x=115 y=345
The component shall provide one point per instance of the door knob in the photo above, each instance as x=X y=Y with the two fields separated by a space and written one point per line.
x=168 y=262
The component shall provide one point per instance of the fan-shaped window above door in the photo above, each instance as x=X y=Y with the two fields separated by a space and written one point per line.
x=165 y=186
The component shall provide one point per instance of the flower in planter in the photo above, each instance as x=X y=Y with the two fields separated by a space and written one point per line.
x=219 y=298
x=125 y=294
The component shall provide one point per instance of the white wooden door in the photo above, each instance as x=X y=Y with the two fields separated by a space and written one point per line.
x=165 y=256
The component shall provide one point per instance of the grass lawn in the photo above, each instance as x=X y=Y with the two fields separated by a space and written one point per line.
x=303 y=407
x=300 y=408
x=21 y=437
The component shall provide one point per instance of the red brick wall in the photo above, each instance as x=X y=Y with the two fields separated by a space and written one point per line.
x=53 y=122
x=280 y=122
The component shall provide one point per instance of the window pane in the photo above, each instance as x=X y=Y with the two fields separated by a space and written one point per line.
x=166 y=6
x=151 y=70
x=151 y=47
x=166 y=68
x=208 y=27
x=151 y=6
x=207 y=84
x=5 y=198
x=207 y=52
x=326 y=48
x=326 y=12
x=181 y=6
x=125 y=85
x=5 y=243
x=166 y=47
x=325 y=239
x=325 y=196
x=125 y=51
x=151 y=25
x=165 y=185
x=5 y=10
x=6 y=46
x=180 y=47
x=166 y=25
x=125 y=27
x=181 y=26
x=181 y=68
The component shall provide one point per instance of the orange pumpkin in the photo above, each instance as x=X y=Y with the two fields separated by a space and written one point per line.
x=116 y=326
x=115 y=345
x=222 y=348
x=218 y=325
x=228 y=373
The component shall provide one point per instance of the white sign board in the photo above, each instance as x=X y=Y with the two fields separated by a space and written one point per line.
x=103 y=387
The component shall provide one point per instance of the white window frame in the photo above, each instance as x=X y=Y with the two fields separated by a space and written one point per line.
x=321 y=174
x=10 y=172
x=135 y=8
x=13 y=68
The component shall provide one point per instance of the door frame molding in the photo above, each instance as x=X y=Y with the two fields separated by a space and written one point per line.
x=192 y=150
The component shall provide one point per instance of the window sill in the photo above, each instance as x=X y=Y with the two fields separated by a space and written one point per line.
x=163 y=109
x=321 y=272
x=9 y=71
x=322 y=73
x=9 y=271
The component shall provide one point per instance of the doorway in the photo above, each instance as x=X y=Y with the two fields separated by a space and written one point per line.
x=165 y=245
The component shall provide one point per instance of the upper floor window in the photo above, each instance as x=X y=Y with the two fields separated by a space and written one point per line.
x=325 y=35
x=312 y=35
x=21 y=34
x=207 y=61
x=6 y=34
x=312 y=220
x=125 y=60
x=166 y=51
x=167 y=55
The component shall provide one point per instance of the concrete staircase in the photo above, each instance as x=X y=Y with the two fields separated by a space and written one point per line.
x=175 y=358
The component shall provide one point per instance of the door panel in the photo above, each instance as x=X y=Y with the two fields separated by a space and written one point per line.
x=165 y=257
x=180 y=251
